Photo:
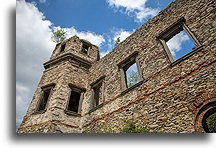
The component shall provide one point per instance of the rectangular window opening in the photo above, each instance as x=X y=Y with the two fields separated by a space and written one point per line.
x=62 y=47
x=98 y=98
x=180 y=44
x=132 y=75
x=85 y=48
x=44 y=100
x=74 y=101
x=130 y=71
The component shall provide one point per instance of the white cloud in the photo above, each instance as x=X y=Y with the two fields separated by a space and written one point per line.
x=42 y=1
x=122 y=35
x=90 y=36
x=111 y=39
x=33 y=48
x=135 y=8
x=175 y=43
x=102 y=54
x=32 y=39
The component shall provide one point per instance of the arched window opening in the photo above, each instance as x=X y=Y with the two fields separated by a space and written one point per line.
x=209 y=121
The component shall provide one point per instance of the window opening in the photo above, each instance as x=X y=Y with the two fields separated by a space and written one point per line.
x=179 y=41
x=44 y=100
x=74 y=101
x=98 y=98
x=180 y=45
x=62 y=47
x=130 y=71
x=209 y=121
x=85 y=48
x=132 y=75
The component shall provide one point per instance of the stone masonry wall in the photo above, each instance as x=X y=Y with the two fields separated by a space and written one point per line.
x=168 y=98
x=161 y=102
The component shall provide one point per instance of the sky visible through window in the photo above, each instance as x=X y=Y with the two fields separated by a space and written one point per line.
x=132 y=75
x=180 y=45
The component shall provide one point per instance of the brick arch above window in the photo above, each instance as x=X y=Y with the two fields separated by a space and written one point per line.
x=201 y=114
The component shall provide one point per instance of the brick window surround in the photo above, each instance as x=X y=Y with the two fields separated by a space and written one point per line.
x=170 y=32
x=208 y=107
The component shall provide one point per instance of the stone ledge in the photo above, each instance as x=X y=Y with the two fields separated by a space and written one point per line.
x=95 y=108
x=65 y=57
x=132 y=87
x=186 y=56
x=71 y=113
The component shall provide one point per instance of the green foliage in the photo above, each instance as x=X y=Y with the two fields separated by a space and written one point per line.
x=211 y=122
x=117 y=41
x=58 y=35
x=129 y=127
x=84 y=50
x=133 y=78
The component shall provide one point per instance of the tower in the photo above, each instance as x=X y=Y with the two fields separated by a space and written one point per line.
x=60 y=91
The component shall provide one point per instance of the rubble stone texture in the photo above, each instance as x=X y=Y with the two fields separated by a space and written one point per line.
x=171 y=98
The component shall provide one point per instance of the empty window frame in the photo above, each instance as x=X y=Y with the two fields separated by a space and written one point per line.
x=62 y=48
x=46 y=92
x=178 y=41
x=75 y=100
x=85 y=48
x=97 y=94
x=130 y=72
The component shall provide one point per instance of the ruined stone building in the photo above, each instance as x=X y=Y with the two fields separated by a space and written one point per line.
x=79 y=91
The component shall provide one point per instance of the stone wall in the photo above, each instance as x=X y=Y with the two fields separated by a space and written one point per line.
x=165 y=100
x=161 y=102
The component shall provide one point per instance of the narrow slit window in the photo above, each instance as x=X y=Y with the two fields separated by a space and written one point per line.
x=180 y=45
x=74 y=102
x=132 y=75
x=62 y=47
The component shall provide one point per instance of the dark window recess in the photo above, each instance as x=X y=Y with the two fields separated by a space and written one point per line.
x=74 y=102
x=97 y=95
x=44 y=100
x=62 y=47
x=85 y=48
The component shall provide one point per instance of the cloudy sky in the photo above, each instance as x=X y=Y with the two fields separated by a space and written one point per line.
x=99 y=21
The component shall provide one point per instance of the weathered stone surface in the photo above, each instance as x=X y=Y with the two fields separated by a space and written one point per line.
x=168 y=100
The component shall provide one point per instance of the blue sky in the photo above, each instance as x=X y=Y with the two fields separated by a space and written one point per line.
x=99 y=21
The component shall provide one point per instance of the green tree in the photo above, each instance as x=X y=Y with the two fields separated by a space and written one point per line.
x=130 y=127
x=58 y=35
x=133 y=78
x=211 y=122
x=117 y=41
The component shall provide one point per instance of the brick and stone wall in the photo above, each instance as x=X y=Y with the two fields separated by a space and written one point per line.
x=170 y=97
